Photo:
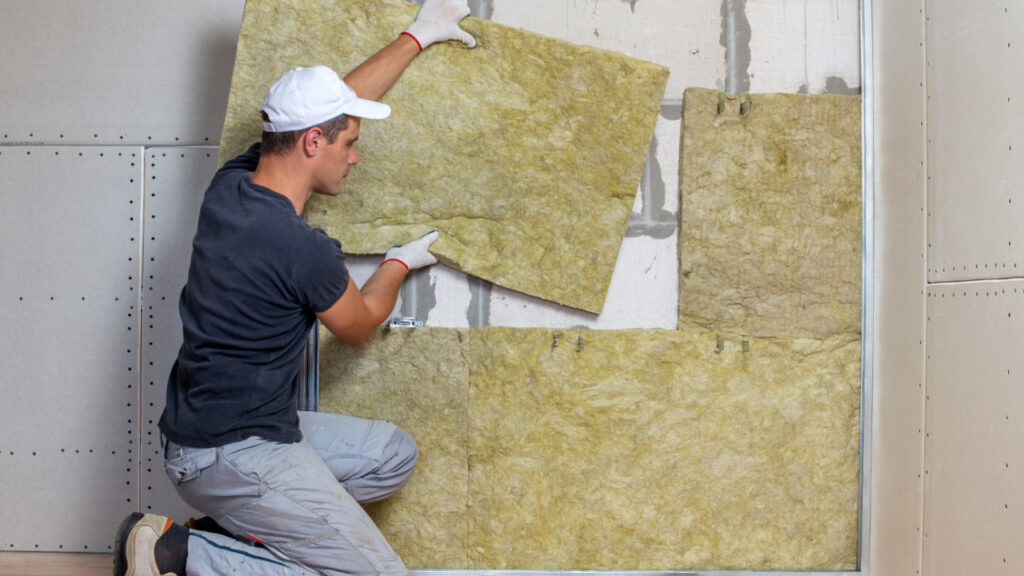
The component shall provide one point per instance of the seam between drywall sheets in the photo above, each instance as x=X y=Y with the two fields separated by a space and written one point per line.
x=923 y=352
x=144 y=207
x=940 y=283
x=140 y=307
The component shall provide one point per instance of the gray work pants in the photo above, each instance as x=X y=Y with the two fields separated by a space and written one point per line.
x=302 y=502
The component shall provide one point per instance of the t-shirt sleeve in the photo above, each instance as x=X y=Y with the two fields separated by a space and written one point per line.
x=321 y=272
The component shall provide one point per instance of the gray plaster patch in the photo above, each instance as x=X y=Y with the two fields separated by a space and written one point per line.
x=483 y=9
x=653 y=221
x=735 y=38
x=837 y=85
x=672 y=110
x=479 y=313
x=833 y=85
x=418 y=295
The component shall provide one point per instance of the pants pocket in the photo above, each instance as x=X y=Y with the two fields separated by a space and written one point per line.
x=189 y=464
x=207 y=479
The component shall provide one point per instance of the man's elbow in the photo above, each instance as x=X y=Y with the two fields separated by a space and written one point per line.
x=356 y=337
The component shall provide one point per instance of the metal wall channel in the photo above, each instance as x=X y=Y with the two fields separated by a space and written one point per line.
x=309 y=372
x=867 y=357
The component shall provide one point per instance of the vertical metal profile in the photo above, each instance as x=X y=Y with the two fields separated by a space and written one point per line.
x=309 y=372
x=867 y=323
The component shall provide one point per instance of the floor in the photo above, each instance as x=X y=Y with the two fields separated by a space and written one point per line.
x=63 y=564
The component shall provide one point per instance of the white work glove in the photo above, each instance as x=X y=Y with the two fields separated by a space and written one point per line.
x=415 y=254
x=438 y=20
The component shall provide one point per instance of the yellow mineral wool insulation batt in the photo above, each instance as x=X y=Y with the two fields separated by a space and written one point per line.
x=770 y=194
x=417 y=379
x=613 y=450
x=525 y=152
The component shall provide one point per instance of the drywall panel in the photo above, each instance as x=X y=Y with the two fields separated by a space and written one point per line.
x=797 y=46
x=568 y=438
x=69 y=226
x=770 y=241
x=897 y=150
x=116 y=72
x=550 y=138
x=975 y=202
x=974 y=488
x=175 y=180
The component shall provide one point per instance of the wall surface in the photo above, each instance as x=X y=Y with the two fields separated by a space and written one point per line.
x=96 y=227
x=973 y=475
x=151 y=79
x=899 y=140
x=550 y=449
x=946 y=469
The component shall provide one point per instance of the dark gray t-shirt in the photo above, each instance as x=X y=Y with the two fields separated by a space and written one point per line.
x=257 y=277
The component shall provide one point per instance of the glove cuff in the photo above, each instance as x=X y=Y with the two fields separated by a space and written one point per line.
x=395 y=260
x=415 y=39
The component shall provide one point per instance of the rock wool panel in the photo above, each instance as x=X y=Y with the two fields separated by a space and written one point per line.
x=654 y=451
x=420 y=381
x=616 y=450
x=525 y=152
x=770 y=189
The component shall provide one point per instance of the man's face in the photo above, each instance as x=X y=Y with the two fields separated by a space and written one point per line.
x=338 y=158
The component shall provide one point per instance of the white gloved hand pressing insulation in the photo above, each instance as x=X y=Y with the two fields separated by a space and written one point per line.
x=415 y=254
x=438 y=21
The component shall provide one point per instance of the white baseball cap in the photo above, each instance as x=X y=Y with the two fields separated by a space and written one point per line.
x=305 y=97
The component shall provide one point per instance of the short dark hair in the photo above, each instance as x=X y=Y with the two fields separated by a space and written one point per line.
x=283 y=142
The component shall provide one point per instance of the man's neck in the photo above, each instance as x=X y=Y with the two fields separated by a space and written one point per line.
x=283 y=175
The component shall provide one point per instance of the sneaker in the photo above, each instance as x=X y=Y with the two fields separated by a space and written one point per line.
x=135 y=545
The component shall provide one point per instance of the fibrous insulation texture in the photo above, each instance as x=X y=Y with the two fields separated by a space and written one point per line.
x=770 y=241
x=525 y=152
x=418 y=380
x=617 y=450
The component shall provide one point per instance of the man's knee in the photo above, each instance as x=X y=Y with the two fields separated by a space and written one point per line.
x=405 y=454
x=390 y=474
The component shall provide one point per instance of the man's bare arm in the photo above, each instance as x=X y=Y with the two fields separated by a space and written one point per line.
x=437 y=21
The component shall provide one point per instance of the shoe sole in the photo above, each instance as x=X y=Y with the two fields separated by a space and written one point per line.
x=121 y=542
x=125 y=562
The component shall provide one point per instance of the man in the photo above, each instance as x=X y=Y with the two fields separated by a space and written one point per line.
x=286 y=489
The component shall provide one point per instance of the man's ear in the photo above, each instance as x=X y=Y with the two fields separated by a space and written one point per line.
x=312 y=141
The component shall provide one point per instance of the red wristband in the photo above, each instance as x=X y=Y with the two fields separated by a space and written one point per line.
x=413 y=39
x=395 y=260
